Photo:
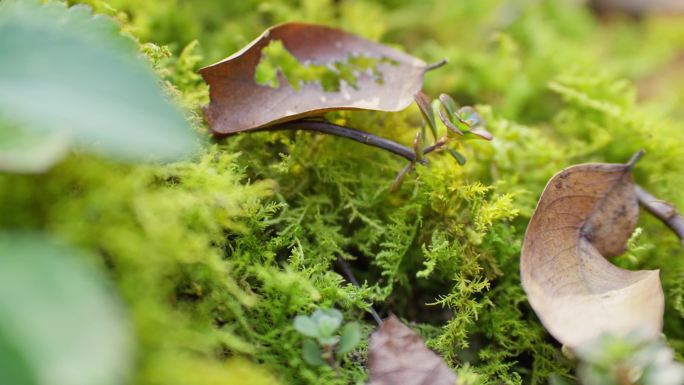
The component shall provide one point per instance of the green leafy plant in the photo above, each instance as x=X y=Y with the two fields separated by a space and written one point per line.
x=460 y=123
x=325 y=346
x=632 y=360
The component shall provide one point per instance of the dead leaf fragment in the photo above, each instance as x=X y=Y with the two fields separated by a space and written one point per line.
x=638 y=7
x=238 y=103
x=587 y=212
x=398 y=356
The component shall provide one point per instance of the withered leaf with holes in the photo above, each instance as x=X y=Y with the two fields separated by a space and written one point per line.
x=586 y=213
x=398 y=356
x=238 y=103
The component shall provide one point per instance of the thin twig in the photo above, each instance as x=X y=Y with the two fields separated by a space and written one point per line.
x=358 y=136
x=400 y=176
x=635 y=158
x=350 y=276
x=437 y=145
x=349 y=133
x=662 y=210
x=436 y=65
x=417 y=144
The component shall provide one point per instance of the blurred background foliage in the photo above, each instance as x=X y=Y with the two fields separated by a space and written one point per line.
x=215 y=256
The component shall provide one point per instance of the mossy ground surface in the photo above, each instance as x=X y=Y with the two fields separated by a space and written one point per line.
x=214 y=257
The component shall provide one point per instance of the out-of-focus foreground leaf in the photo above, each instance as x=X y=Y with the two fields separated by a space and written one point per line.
x=59 y=323
x=25 y=151
x=367 y=76
x=66 y=73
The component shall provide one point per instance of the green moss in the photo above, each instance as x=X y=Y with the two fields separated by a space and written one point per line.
x=215 y=256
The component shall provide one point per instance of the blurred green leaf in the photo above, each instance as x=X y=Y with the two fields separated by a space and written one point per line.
x=311 y=353
x=635 y=358
x=59 y=322
x=24 y=151
x=330 y=313
x=306 y=326
x=66 y=73
x=469 y=116
x=458 y=156
x=425 y=108
x=327 y=326
x=448 y=123
x=328 y=341
x=479 y=133
x=13 y=366
x=449 y=105
x=329 y=320
x=350 y=337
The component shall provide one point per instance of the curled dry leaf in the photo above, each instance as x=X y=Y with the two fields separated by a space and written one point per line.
x=398 y=356
x=588 y=212
x=238 y=103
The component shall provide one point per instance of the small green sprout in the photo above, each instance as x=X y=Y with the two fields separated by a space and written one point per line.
x=634 y=360
x=464 y=121
x=324 y=346
x=461 y=124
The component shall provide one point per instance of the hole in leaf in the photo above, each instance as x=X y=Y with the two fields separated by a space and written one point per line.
x=275 y=57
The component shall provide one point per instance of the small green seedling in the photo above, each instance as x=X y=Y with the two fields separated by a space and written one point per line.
x=324 y=346
x=635 y=359
x=464 y=121
x=461 y=124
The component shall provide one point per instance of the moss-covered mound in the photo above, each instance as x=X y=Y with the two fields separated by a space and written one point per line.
x=215 y=257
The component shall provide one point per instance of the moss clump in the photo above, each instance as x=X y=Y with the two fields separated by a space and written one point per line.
x=216 y=256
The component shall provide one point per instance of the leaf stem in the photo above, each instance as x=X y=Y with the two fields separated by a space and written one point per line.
x=438 y=144
x=436 y=65
x=662 y=210
x=635 y=158
x=353 y=134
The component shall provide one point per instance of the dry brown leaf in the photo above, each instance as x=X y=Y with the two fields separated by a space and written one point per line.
x=398 y=356
x=238 y=103
x=588 y=212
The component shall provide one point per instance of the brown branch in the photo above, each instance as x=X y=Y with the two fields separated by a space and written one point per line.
x=436 y=146
x=400 y=176
x=363 y=137
x=662 y=210
x=413 y=155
